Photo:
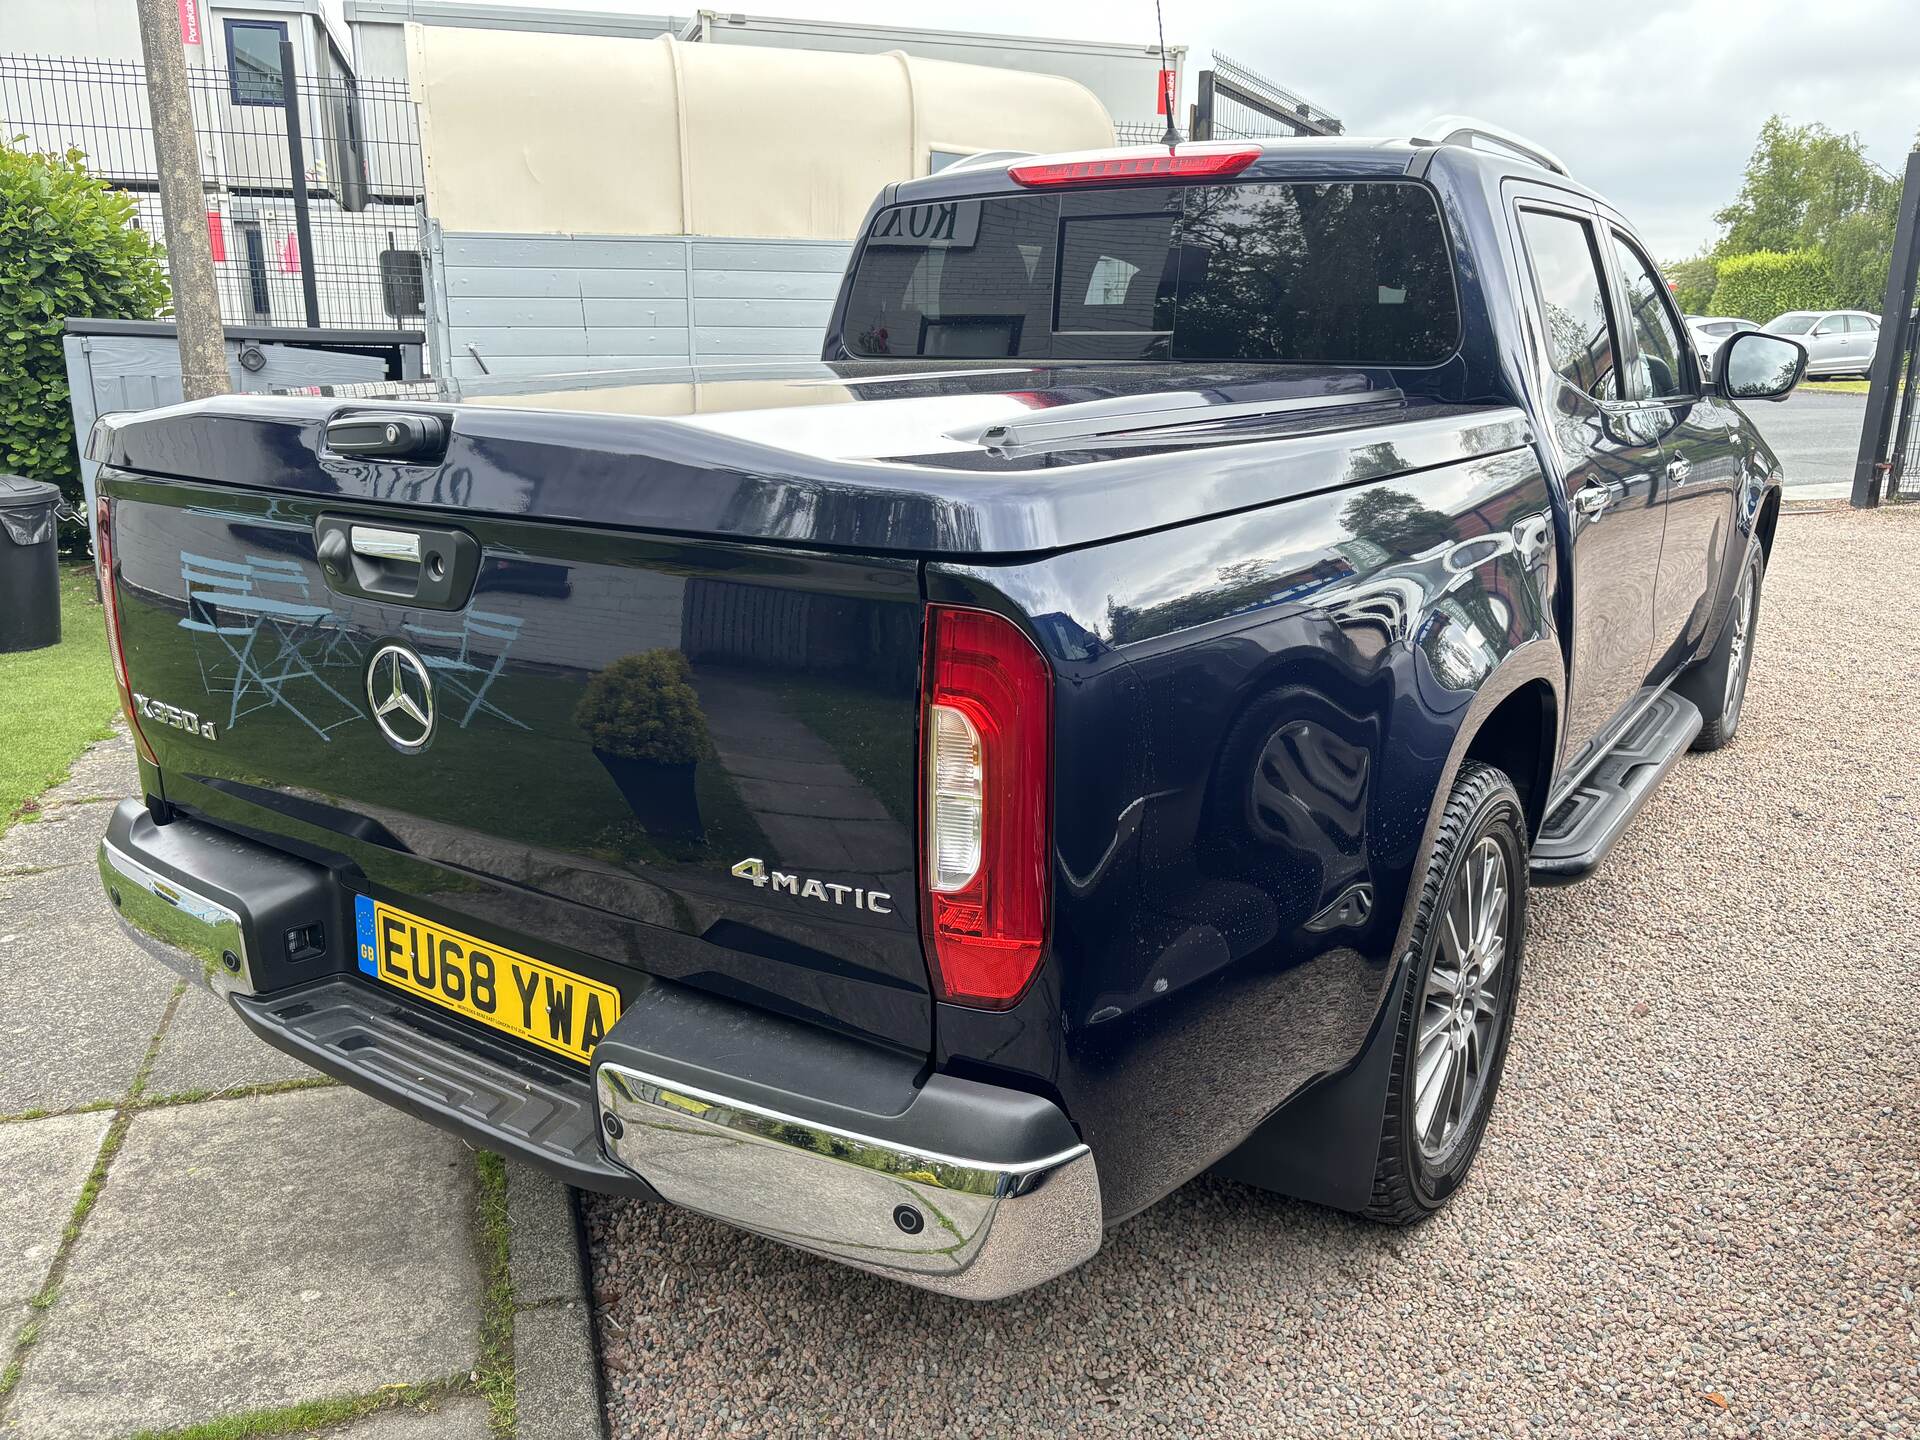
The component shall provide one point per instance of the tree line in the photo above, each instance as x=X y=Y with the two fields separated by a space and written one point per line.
x=1812 y=229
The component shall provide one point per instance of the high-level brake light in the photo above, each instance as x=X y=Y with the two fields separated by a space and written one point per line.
x=110 y=602
x=985 y=767
x=1144 y=163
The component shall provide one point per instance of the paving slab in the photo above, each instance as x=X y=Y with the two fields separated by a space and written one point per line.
x=66 y=838
x=79 y=1005
x=105 y=771
x=206 y=1048
x=464 y=1419
x=254 y=1253
x=43 y=1165
x=543 y=1244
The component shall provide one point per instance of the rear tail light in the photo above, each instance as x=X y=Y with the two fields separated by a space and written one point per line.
x=1201 y=162
x=986 y=772
x=110 y=602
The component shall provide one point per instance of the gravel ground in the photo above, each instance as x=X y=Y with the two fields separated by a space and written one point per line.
x=1697 y=1210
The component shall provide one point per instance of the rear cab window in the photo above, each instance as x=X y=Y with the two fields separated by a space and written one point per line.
x=1342 y=273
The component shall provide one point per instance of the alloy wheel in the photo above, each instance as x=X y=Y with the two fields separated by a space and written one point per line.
x=1463 y=1004
x=1743 y=613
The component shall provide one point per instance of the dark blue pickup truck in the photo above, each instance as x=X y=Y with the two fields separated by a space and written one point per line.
x=1096 y=726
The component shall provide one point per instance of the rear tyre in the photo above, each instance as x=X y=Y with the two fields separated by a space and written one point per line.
x=1451 y=1043
x=1718 y=684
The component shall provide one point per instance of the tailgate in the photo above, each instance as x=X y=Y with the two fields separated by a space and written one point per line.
x=604 y=751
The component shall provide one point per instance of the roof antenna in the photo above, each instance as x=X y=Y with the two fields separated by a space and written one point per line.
x=1172 y=137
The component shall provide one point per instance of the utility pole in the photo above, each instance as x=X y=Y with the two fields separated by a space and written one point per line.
x=183 y=204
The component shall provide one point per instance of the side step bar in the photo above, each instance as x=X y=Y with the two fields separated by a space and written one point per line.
x=1582 y=828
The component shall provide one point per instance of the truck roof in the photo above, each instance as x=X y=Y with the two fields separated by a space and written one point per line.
x=1342 y=157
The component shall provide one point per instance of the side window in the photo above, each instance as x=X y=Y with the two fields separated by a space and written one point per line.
x=1862 y=325
x=1653 y=324
x=1573 y=300
x=253 y=61
x=1832 y=325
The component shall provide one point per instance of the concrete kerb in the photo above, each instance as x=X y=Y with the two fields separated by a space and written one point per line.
x=555 y=1360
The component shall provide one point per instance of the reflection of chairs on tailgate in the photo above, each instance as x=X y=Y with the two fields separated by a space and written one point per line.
x=224 y=601
x=290 y=576
x=463 y=671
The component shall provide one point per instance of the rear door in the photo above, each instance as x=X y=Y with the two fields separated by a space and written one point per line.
x=1863 y=336
x=1609 y=455
x=1827 y=344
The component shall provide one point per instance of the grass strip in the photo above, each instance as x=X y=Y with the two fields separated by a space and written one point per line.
x=68 y=690
x=44 y=1114
x=495 y=1375
x=236 y=1092
x=310 y=1415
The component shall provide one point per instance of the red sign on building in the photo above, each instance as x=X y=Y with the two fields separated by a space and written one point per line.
x=1160 y=105
x=189 y=22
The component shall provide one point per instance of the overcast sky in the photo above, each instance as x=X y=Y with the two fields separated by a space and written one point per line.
x=1654 y=105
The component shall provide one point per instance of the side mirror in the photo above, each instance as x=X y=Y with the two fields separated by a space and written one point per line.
x=1754 y=365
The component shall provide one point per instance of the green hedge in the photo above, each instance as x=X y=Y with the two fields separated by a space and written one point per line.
x=1767 y=283
x=68 y=246
x=1693 y=281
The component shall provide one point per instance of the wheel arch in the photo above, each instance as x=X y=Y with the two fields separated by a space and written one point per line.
x=1519 y=736
x=1312 y=1147
x=1768 y=520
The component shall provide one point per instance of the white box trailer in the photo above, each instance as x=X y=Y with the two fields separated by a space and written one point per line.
x=602 y=203
x=1125 y=78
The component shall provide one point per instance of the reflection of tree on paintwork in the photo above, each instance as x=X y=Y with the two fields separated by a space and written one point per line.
x=1238 y=588
x=1397 y=522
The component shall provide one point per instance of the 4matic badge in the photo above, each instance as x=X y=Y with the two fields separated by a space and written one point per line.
x=827 y=892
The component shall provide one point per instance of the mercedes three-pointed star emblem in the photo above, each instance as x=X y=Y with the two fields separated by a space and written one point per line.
x=401 y=693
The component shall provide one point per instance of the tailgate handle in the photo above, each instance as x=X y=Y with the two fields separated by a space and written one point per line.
x=378 y=544
x=384 y=436
x=430 y=567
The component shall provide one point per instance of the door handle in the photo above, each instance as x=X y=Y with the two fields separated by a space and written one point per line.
x=378 y=544
x=1590 y=500
x=430 y=567
x=388 y=436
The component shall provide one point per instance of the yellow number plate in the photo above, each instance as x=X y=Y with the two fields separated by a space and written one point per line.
x=527 y=998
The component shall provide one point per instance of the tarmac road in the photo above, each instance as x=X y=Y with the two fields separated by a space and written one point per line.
x=1815 y=433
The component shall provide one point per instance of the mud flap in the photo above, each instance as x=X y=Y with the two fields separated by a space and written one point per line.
x=1324 y=1144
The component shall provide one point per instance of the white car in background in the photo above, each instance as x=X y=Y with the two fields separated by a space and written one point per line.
x=1709 y=333
x=1838 y=341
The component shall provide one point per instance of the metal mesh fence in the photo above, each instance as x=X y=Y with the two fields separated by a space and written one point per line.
x=360 y=146
x=1903 y=474
x=1248 y=106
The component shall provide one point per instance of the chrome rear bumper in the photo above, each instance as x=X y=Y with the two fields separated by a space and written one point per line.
x=188 y=932
x=971 y=1190
x=975 y=1228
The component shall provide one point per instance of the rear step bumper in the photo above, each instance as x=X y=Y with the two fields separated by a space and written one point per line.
x=823 y=1143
